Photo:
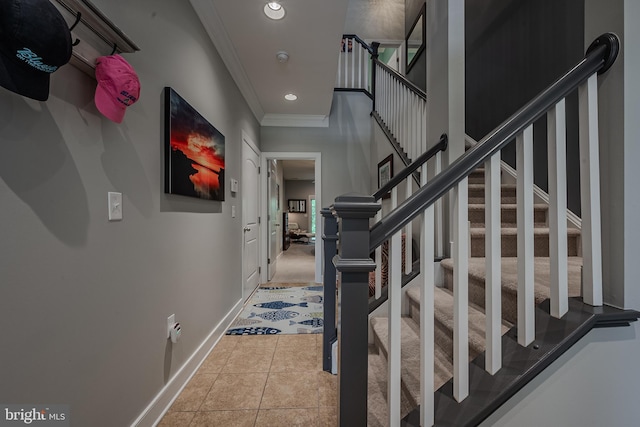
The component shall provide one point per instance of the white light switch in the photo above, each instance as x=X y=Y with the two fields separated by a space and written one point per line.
x=115 y=206
x=233 y=211
x=171 y=320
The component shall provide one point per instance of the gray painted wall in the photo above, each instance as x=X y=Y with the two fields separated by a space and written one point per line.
x=375 y=20
x=595 y=382
x=299 y=190
x=515 y=50
x=619 y=100
x=84 y=302
x=344 y=145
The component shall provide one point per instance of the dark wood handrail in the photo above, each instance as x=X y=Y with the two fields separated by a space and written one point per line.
x=600 y=55
x=360 y=41
x=412 y=167
x=402 y=79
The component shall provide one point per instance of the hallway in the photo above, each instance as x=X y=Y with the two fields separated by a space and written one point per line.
x=296 y=264
x=262 y=380
x=258 y=381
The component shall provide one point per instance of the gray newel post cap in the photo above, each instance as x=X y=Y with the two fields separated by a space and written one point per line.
x=354 y=205
x=326 y=212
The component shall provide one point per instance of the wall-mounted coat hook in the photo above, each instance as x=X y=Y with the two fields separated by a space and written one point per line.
x=78 y=17
x=94 y=34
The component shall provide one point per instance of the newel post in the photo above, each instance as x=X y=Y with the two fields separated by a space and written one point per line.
x=374 y=58
x=353 y=263
x=330 y=239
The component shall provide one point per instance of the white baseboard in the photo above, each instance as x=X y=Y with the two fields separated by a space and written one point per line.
x=153 y=413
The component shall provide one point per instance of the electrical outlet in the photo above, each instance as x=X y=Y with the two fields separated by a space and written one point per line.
x=171 y=320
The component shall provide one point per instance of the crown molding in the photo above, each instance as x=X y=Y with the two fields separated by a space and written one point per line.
x=215 y=29
x=295 y=120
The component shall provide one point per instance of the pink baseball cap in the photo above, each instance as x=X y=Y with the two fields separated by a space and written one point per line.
x=118 y=86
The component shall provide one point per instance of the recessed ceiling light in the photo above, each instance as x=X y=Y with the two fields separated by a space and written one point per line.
x=274 y=10
x=290 y=97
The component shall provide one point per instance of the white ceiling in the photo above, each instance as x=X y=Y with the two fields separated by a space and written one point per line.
x=310 y=32
x=298 y=170
x=248 y=42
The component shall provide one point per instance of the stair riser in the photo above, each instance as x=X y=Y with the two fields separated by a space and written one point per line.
x=477 y=177
x=504 y=199
x=509 y=246
x=509 y=298
x=508 y=216
x=407 y=399
x=505 y=192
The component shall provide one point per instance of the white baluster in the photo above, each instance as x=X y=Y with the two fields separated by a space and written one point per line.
x=493 y=254
x=439 y=233
x=360 y=66
x=378 y=273
x=408 y=230
x=526 y=302
x=423 y=126
x=353 y=64
x=394 y=288
x=558 y=263
x=346 y=63
x=460 y=291
x=339 y=76
x=590 y=192
x=415 y=126
x=427 y=267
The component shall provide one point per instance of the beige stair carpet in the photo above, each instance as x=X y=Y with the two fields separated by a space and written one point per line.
x=444 y=300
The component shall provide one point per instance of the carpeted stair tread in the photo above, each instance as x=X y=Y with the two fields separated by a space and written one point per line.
x=377 y=391
x=513 y=231
x=508 y=214
x=410 y=357
x=509 y=279
x=509 y=241
x=477 y=176
x=443 y=311
x=477 y=190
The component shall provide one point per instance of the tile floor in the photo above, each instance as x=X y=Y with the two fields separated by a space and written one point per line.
x=259 y=381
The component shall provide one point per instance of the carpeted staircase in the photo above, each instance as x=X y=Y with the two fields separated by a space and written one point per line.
x=377 y=415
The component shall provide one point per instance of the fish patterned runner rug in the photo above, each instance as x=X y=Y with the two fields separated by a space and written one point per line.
x=281 y=310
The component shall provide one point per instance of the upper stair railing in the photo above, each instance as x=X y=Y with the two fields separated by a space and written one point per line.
x=354 y=66
x=357 y=240
x=399 y=106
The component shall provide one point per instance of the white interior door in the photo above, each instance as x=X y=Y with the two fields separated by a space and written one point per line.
x=251 y=226
x=274 y=220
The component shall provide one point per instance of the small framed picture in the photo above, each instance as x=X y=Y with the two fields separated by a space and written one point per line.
x=385 y=172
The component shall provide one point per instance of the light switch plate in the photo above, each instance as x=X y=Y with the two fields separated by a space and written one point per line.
x=171 y=320
x=115 y=206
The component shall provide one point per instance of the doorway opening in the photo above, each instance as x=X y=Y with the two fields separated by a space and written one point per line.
x=291 y=206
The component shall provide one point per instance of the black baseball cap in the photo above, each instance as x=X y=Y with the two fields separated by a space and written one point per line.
x=34 y=42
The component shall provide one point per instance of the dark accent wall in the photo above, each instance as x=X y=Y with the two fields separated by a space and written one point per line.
x=514 y=49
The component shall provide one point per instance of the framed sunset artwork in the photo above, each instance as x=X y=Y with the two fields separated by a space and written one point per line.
x=194 y=151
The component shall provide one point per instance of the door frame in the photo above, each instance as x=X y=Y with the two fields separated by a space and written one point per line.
x=317 y=158
x=247 y=139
